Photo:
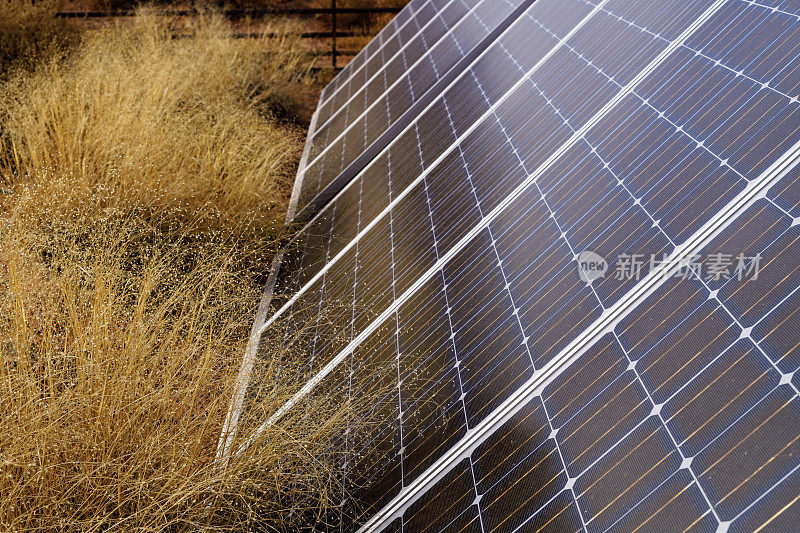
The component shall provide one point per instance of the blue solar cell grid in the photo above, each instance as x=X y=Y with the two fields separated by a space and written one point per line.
x=428 y=25
x=387 y=34
x=387 y=100
x=447 y=271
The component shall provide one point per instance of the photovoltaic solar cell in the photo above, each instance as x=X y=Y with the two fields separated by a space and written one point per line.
x=664 y=427
x=391 y=99
x=383 y=37
x=431 y=23
x=444 y=280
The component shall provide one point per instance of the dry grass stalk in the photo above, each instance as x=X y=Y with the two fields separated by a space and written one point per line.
x=148 y=178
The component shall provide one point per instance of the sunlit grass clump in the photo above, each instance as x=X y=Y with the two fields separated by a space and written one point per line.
x=144 y=181
x=30 y=32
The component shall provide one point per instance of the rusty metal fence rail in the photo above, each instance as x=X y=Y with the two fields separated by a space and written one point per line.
x=331 y=36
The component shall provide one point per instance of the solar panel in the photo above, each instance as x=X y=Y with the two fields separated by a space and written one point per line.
x=391 y=33
x=367 y=117
x=387 y=43
x=572 y=278
x=430 y=24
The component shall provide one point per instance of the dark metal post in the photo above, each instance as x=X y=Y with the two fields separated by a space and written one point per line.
x=333 y=34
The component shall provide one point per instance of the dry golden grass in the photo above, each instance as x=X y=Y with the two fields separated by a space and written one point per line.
x=178 y=124
x=29 y=33
x=144 y=183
